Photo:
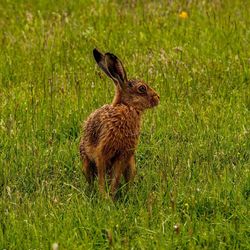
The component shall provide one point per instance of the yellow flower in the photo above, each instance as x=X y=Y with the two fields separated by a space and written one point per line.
x=183 y=15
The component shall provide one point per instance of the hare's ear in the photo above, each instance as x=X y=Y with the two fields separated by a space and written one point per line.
x=116 y=69
x=100 y=60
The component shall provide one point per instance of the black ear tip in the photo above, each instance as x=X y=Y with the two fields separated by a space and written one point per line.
x=95 y=50
x=97 y=54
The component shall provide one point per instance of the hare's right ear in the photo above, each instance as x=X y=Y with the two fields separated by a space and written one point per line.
x=100 y=59
x=116 y=69
x=112 y=66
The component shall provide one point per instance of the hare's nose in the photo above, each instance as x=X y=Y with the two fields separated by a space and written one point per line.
x=156 y=95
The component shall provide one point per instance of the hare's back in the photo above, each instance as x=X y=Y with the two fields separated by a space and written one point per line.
x=95 y=123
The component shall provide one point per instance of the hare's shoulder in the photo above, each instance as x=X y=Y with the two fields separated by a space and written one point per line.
x=109 y=116
x=100 y=111
x=97 y=117
x=110 y=111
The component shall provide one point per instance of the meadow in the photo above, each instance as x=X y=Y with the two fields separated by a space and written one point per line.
x=192 y=186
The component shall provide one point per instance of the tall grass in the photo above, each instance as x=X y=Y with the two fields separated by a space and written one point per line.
x=192 y=186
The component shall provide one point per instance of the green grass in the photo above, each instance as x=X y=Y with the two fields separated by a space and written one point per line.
x=192 y=186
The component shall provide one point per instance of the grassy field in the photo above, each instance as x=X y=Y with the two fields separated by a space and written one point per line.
x=192 y=186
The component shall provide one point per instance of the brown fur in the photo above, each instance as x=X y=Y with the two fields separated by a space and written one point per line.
x=111 y=133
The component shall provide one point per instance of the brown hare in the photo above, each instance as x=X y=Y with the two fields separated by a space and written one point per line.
x=111 y=133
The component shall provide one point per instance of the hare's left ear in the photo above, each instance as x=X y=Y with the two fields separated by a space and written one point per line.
x=116 y=69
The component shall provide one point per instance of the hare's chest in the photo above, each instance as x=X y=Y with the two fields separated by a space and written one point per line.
x=124 y=130
x=123 y=133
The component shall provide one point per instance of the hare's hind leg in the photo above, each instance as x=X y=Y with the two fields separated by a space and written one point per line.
x=89 y=170
x=101 y=170
x=116 y=176
x=130 y=170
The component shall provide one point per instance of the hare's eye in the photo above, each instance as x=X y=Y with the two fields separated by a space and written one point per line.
x=142 y=89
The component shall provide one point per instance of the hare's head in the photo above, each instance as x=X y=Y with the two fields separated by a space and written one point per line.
x=135 y=93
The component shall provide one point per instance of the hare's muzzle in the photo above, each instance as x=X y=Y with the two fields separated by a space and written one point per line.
x=155 y=100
